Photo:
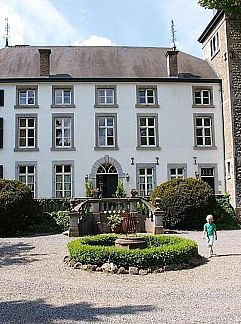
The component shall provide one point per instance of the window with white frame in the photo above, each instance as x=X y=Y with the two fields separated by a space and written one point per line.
x=208 y=175
x=26 y=132
x=203 y=131
x=106 y=131
x=63 y=180
x=26 y=97
x=26 y=175
x=177 y=173
x=214 y=44
x=63 y=132
x=105 y=96
x=202 y=97
x=146 y=96
x=146 y=181
x=147 y=131
x=63 y=97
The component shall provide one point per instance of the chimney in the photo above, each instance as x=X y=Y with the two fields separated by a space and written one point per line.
x=172 y=66
x=44 y=61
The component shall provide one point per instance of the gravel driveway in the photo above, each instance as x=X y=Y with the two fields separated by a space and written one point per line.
x=37 y=287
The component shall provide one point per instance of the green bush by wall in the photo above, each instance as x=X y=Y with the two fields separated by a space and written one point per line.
x=17 y=207
x=185 y=202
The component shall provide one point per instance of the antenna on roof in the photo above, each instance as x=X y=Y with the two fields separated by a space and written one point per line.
x=173 y=36
x=6 y=32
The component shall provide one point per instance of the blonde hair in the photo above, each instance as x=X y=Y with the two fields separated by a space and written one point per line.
x=209 y=217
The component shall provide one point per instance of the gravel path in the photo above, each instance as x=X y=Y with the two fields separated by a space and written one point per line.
x=37 y=287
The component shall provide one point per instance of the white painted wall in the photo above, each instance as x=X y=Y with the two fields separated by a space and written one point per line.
x=175 y=123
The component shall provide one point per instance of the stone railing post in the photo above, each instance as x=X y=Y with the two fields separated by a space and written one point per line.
x=73 y=221
x=158 y=218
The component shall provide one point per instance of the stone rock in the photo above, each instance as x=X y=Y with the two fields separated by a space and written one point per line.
x=98 y=269
x=170 y=267
x=133 y=271
x=67 y=259
x=158 y=270
x=122 y=270
x=143 y=272
x=84 y=267
x=77 y=265
x=109 y=267
x=71 y=263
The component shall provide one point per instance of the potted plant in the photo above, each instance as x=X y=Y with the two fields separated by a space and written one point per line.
x=95 y=192
x=115 y=222
x=120 y=190
x=134 y=193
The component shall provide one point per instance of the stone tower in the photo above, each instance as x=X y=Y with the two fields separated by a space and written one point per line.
x=221 y=42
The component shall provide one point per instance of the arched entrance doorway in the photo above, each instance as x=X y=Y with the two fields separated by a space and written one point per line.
x=105 y=174
x=107 y=180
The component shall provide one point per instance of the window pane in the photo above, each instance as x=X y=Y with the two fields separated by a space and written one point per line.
x=101 y=121
x=31 y=169
x=110 y=141
x=59 y=168
x=198 y=121
x=199 y=141
x=142 y=121
x=67 y=168
x=151 y=122
x=22 y=122
x=152 y=141
x=30 y=122
x=207 y=121
x=22 y=169
x=110 y=122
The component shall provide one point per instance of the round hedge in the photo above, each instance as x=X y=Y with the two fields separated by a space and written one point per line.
x=16 y=207
x=161 y=250
x=185 y=202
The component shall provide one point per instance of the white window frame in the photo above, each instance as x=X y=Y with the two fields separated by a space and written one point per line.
x=26 y=129
x=147 y=131
x=144 y=185
x=60 y=181
x=62 y=96
x=64 y=132
x=27 y=97
x=105 y=128
x=202 y=97
x=177 y=174
x=147 y=96
x=105 y=96
x=27 y=175
x=206 y=131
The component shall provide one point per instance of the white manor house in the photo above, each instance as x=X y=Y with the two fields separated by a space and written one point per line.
x=107 y=114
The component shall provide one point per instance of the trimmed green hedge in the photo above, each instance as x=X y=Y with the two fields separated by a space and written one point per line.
x=161 y=250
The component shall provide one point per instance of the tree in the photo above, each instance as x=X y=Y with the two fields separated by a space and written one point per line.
x=229 y=6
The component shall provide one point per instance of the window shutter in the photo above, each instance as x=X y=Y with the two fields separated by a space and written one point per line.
x=1 y=132
x=1 y=98
x=1 y=171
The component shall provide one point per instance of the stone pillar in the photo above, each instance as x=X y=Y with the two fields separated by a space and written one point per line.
x=73 y=224
x=158 y=218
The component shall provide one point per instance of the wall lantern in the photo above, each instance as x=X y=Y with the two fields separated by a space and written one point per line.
x=196 y=175
x=195 y=160
x=157 y=160
x=127 y=177
x=132 y=161
x=86 y=178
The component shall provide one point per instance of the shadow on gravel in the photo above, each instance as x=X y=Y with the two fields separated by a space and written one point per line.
x=11 y=254
x=30 y=312
x=226 y=255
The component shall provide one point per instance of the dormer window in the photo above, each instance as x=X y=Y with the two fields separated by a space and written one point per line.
x=214 y=44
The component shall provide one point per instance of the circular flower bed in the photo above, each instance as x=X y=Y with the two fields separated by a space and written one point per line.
x=161 y=250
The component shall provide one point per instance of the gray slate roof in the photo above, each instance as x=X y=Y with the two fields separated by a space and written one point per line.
x=98 y=62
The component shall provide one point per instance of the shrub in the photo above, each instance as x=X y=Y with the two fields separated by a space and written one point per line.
x=185 y=202
x=161 y=250
x=17 y=207
x=224 y=214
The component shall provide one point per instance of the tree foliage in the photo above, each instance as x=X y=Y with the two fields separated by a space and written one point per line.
x=229 y=6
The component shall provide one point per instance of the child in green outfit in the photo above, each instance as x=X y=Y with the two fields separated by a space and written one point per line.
x=210 y=232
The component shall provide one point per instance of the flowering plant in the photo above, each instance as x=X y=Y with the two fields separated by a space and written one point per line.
x=114 y=220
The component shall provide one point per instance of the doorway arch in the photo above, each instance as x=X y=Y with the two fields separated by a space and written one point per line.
x=105 y=175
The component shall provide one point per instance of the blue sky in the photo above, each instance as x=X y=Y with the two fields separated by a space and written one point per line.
x=104 y=22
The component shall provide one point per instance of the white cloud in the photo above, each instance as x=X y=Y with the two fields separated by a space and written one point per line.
x=95 y=40
x=36 y=23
